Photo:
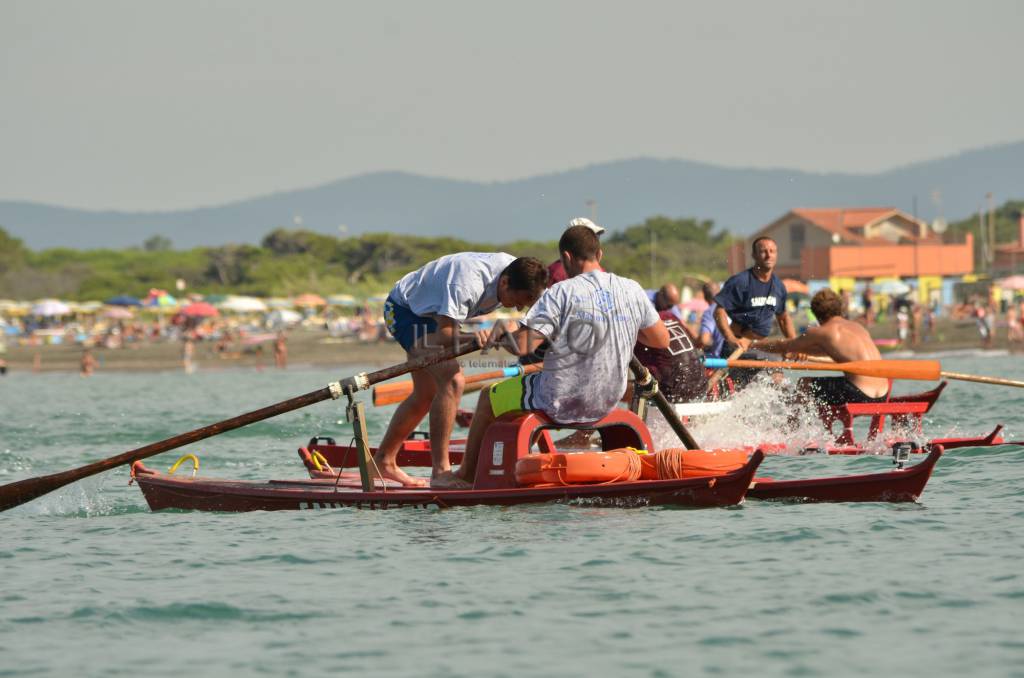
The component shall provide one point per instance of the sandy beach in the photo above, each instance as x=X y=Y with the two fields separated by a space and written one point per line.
x=315 y=348
x=306 y=348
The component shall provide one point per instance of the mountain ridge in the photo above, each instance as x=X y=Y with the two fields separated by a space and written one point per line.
x=626 y=192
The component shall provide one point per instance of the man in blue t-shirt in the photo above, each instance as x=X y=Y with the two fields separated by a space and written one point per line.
x=751 y=299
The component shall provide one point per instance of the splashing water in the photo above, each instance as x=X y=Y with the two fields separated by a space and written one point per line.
x=764 y=413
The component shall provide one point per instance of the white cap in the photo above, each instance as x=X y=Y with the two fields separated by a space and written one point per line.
x=583 y=221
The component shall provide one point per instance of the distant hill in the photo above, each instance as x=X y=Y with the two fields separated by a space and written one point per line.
x=626 y=192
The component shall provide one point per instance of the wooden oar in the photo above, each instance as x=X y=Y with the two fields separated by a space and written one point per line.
x=21 y=491
x=982 y=380
x=923 y=370
x=388 y=394
x=642 y=377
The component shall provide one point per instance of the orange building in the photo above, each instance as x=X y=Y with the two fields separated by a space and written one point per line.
x=843 y=246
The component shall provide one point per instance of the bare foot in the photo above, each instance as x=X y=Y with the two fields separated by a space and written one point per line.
x=449 y=481
x=394 y=472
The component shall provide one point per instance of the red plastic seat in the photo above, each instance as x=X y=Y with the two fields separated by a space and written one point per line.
x=512 y=436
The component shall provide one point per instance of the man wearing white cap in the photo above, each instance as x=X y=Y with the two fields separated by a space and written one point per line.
x=556 y=271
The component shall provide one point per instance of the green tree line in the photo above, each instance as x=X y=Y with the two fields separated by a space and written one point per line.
x=660 y=250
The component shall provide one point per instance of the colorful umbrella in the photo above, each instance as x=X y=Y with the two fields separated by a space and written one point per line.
x=341 y=300
x=1014 y=282
x=794 y=286
x=159 y=299
x=200 y=309
x=243 y=305
x=50 y=307
x=118 y=313
x=309 y=299
x=123 y=300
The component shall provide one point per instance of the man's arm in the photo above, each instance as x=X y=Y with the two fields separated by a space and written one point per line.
x=722 y=320
x=786 y=325
x=814 y=342
x=655 y=336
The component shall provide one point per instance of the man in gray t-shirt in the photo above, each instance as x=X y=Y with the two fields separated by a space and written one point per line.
x=592 y=321
x=422 y=313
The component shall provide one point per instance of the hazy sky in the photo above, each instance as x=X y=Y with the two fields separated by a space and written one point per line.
x=145 y=105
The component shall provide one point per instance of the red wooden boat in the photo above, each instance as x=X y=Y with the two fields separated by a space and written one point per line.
x=904 y=414
x=325 y=460
x=904 y=484
x=507 y=440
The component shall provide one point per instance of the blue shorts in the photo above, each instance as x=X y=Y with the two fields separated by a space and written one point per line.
x=406 y=327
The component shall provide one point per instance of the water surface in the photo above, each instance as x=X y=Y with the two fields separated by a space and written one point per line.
x=95 y=584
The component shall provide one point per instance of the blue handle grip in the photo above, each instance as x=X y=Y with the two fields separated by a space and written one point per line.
x=716 y=363
x=513 y=371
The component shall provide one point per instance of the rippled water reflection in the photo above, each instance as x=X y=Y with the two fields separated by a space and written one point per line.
x=94 y=583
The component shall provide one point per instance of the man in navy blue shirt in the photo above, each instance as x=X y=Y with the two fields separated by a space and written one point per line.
x=751 y=299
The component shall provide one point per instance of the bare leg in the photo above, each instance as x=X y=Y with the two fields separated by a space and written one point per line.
x=405 y=420
x=482 y=418
x=449 y=384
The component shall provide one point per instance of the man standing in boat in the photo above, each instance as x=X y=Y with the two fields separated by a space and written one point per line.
x=422 y=313
x=840 y=339
x=592 y=320
x=750 y=300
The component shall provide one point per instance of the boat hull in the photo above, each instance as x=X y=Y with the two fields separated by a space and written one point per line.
x=203 y=494
x=902 y=485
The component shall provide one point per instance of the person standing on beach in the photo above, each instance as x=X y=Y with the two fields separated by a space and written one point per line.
x=867 y=299
x=280 y=351
x=188 y=350
x=422 y=313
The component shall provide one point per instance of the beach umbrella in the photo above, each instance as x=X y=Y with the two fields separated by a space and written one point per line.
x=283 y=316
x=308 y=300
x=87 y=307
x=118 y=313
x=238 y=304
x=159 y=299
x=794 y=286
x=200 y=309
x=278 y=302
x=50 y=307
x=341 y=300
x=123 y=300
x=894 y=288
x=1014 y=282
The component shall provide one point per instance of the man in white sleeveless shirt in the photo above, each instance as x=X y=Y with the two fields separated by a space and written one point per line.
x=592 y=321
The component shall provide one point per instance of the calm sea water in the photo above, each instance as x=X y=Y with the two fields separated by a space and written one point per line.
x=92 y=583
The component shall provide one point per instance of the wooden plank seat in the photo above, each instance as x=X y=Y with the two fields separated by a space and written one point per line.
x=907 y=411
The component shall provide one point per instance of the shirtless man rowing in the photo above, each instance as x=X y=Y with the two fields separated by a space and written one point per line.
x=840 y=339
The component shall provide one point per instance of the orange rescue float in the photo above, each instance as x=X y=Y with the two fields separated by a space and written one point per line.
x=624 y=465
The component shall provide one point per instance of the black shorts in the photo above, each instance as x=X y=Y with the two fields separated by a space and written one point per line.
x=837 y=391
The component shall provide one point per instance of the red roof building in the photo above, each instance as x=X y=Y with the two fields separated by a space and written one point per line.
x=857 y=243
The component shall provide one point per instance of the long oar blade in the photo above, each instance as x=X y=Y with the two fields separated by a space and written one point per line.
x=22 y=491
x=921 y=370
